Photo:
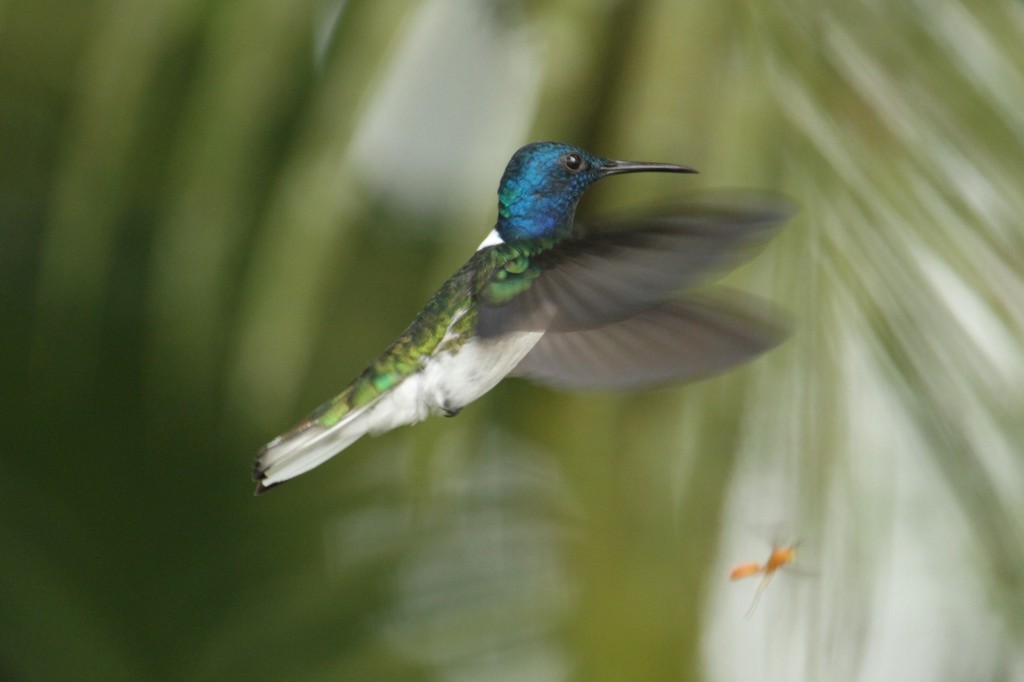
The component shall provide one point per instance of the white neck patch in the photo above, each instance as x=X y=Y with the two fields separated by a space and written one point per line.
x=492 y=239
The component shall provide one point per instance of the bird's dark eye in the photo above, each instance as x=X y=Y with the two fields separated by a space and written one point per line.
x=573 y=161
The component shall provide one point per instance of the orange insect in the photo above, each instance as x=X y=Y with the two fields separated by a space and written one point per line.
x=780 y=556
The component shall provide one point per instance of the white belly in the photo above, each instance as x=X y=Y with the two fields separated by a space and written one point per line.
x=454 y=381
x=450 y=381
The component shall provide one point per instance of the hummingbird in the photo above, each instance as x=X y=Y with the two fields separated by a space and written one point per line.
x=614 y=305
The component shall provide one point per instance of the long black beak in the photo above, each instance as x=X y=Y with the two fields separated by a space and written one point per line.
x=610 y=167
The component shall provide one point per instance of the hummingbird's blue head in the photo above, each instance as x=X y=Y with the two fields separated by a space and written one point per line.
x=544 y=181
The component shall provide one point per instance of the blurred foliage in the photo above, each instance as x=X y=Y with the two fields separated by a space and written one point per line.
x=213 y=213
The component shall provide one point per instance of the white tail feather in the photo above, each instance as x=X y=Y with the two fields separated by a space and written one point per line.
x=293 y=454
x=299 y=451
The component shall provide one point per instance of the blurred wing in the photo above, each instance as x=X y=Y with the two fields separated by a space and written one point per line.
x=679 y=340
x=617 y=269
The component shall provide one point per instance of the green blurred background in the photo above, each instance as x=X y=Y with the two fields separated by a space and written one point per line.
x=212 y=214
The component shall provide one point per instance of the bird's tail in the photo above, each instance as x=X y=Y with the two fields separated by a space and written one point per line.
x=308 y=445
